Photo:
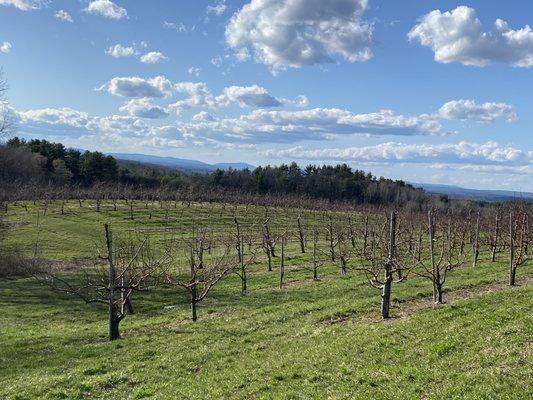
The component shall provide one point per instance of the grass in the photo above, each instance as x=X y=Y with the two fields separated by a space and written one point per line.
x=320 y=340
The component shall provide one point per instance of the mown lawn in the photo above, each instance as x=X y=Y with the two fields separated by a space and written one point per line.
x=320 y=340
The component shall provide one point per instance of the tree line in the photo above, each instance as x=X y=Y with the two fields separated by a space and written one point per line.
x=43 y=163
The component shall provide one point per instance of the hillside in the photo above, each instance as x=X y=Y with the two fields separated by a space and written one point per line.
x=319 y=338
x=179 y=163
x=456 y=192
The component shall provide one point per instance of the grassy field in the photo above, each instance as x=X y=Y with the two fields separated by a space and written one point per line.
x=320 y=340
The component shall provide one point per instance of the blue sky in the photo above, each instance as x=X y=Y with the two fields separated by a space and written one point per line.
x=426 y=91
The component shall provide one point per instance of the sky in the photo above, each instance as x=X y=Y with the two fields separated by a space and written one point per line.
x=424 y=91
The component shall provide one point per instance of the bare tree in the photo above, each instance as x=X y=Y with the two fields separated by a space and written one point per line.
x=203 y=272
x=6 y=121
x=301 y=234
x=445 y=240
x=520 y=237
x=242 y=271
x=383 y=262
x=282 y=261
x=495 y=237
x=130 y=265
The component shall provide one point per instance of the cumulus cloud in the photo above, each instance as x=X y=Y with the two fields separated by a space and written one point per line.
x=63 y=16
x=107 y=9
x=153 y=57
x=198 y=95
x=57 y=121
x=489 y=153
x=119 y=50
x=25 y=5
x=144 y=108
x=458 y=36
x=135 y=87
x=56 y=116
x=120 y=125
x=203 y=116
x=313 y=124
x=469 y=110
x=252 y=96
x=5 y=47
x=295 y=33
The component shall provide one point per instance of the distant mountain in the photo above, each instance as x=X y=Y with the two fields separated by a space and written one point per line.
x=179 y=163
x=456 y=192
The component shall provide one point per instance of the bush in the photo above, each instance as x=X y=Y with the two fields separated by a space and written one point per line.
x=15 y=265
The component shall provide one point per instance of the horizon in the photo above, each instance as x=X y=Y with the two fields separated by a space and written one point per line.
x=375 y=85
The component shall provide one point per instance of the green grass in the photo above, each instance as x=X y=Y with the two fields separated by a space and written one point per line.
x=320 y=340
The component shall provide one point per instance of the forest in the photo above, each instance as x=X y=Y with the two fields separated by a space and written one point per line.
x=47 y=164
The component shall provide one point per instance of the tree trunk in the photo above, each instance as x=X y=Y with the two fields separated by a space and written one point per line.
x=387 y=285
x=315 y=265
x=476 y=242
x=114 y=322
x=282 y=263
x=269 y=256
x=512 y=269
x=301 y=235
x=244 y=276
x=331 y=240
x=194 y=315
x=434 y=267
x=495 y=239
x=365 y=235
x=438 y=288
x=352 y=234
x=114 y=318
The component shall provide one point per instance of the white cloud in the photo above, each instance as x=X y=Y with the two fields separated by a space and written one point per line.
x=118 y=51
x=120 y=125
x=458 y=36
x=107 y=9
x=6 y=47
x=56 y=116
x=54 y=121
x=489 y=153
x=153 y=57
x=217 y=9
x=144 y=108
x=469 y=110
x=291 y=33
x=25 y=5
x=302 y=101
x=63 y=16
x=217 y=61
x=242 y=55
x=252 y=96
x=314 y=124
x=136 y=87
x=177 y=26
x=198 y=95
x=203 y=116
x=194 y=71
